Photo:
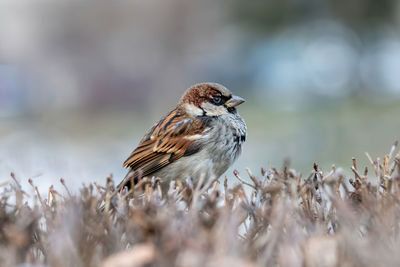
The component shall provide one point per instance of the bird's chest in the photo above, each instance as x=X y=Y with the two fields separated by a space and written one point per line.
x=228 y=136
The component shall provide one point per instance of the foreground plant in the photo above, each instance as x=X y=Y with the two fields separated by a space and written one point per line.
x=276 y=218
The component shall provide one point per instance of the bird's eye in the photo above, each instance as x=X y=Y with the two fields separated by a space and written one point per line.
x=217 y=100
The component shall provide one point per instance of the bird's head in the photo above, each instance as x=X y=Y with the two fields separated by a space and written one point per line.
x=209 y=99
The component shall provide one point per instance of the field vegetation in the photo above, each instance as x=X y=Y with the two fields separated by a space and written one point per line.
x=272 y=217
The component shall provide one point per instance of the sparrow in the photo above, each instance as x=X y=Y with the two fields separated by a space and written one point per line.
x=202 y=135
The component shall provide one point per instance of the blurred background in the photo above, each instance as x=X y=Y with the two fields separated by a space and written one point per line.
x=81 y=81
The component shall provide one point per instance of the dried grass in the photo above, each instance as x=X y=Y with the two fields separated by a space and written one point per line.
x=276 y=218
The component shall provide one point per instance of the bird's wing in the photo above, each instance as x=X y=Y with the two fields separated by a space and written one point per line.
x=173 y=137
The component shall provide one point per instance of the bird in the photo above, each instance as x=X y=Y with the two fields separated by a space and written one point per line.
x=202 y=136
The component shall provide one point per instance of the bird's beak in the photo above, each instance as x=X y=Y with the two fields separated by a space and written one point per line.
x=234 y=101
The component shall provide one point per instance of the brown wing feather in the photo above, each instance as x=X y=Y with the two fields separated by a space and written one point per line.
x=168 y=141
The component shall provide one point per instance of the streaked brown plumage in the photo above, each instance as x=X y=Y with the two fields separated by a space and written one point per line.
x=182 y=139
x=167 y=142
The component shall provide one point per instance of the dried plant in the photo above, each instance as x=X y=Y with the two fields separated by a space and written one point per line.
x=276 y=218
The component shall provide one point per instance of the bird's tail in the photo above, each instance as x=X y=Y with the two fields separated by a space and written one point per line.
x=110 y=200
